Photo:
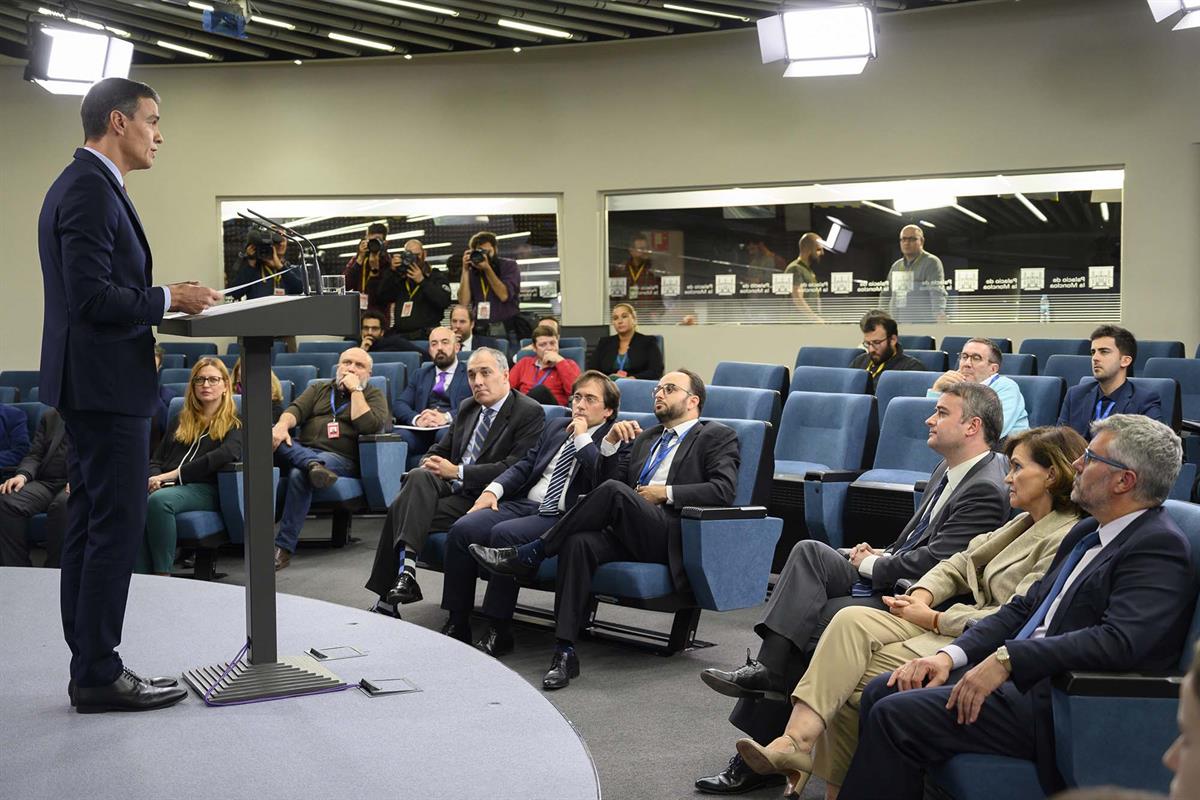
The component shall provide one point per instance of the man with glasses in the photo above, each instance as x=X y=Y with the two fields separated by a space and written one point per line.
x=916 y=289
x=979 y=362
x=523 y=503
x=1117 y=598
x=1113 y=352
x=634 y=514
x=881 y=338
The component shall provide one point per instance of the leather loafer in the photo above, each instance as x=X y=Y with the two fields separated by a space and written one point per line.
x=161 y=682
x=456 y=631
x=502 y=561
x=752 y=679
x=321 y=476
x=737 y=778
x=282 y=558
x=406 y=590
x=496 y=644
x=563 y=667
x=127 y=693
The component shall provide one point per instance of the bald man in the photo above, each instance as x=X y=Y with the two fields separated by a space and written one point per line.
x=331 y=415
x=916 y=289
x=424 y=293
x=806 y=293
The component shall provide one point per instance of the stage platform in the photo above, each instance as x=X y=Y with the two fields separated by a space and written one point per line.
x=476 y=729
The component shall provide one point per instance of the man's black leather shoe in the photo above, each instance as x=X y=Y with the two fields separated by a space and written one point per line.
x=456 y=631
x=162 y=682
x=563 y=667
x=736 y=779
x=406 y=590
x=502 y=561
x=495 y=643
x=752 y=679
x=127 y=693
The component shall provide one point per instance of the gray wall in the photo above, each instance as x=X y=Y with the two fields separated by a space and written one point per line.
x=983 y=87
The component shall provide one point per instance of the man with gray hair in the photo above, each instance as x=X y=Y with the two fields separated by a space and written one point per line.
x=979 y=362
x=491 y=431
x=916 y=289
x=1118 y=597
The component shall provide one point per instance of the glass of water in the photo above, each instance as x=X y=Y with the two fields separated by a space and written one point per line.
x=333 y=284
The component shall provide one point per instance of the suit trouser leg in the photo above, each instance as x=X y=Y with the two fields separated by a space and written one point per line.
x=56 y=528
x=108 y=462
x=500 y=599
x=578 y=560
x=15 y=510
x=813 y=574
x=612 y=504
x=460 y=570
x=903 y=733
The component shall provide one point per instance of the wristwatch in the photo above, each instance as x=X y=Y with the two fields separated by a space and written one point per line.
x=1002 y=657
x=358 y=388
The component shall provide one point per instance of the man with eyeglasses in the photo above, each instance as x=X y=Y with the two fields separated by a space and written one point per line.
x=979 y=362
x=1114 y=350
x=881 y=338
x=1118 y=597
x=634 y=514
x=916 y=289
x=523 y=503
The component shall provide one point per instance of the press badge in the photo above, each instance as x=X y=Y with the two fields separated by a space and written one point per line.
x=333 y=430
x=633 y=292
x=483 y=311
x=362 y=302
x=406 y=309
x=279 y=292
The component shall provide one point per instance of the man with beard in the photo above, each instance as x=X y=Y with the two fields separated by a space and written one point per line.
x=806 y=293
x=643 y=283
x=424 y=292
x=434 y=394
x=881 y=338
x=634 y=514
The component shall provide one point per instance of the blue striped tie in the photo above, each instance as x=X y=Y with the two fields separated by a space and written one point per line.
x=558 y=481
x=477 y=439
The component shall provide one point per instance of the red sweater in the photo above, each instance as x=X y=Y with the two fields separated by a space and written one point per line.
x=559 y=378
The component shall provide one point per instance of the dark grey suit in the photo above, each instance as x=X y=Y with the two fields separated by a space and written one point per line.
x=428 y=503
x=816 y=581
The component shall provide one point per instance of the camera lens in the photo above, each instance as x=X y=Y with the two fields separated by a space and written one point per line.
x=374 y=245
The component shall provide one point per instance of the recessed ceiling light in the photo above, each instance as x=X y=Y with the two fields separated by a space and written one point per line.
x=524 y=26
x=178 y=48
x=408 y=56
x=516 y=49
x=297 y=62
x=274 y=23
x=341 y=37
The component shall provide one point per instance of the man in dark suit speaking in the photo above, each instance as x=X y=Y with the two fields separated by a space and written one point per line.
x=1118 y=597
x=98 y=371
x=634 y=514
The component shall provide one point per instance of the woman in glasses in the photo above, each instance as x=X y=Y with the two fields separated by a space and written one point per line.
x=627 y=353
x=202 y=439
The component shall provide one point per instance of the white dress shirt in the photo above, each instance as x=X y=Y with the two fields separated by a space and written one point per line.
x=659 y=477
x=538 y=492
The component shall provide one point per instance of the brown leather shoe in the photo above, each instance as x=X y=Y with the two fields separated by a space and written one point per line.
x=282 y=558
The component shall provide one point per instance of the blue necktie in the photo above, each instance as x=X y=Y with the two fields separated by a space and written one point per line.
x=558 y=481
x=1072 y=561
x=661 y=449
x=865 y=588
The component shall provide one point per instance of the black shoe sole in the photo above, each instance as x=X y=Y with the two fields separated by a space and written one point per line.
x=106 y=707
x=572 y=673
x=396 y=599
x=497 y=652
x=729 y=688
x=748 y=786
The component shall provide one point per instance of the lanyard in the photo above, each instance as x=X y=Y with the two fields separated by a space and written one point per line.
x=660 y=456
x=1103 y=414
x=874 y=373
x=635 y=274
x=332 y=406
x=622 y=360
x=543 y=374
x=483 y=287
x=275 y=275
x=411 y=288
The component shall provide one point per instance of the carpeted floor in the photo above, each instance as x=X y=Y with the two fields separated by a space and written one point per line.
x=651 y=725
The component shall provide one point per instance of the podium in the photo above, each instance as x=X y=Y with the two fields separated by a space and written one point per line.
x=256 y=323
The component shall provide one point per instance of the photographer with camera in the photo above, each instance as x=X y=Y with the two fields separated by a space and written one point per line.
x=262 y=258
x=369 y=272
x=491 y=287
x=424 y=293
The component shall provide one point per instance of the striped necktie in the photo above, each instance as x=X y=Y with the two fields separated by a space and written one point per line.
x=477 y=439
x=558 y=481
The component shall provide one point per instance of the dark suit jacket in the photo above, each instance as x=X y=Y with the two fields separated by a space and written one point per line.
x=1079 y=406
x=47 y=458
x=898 y=361
x=429 y=303
x=479 y=340
x=522 y=476
x=703 y=472
x=1130 y=609
x=97 y=345
x=979 y=504
x=14 y=435
x=514 y=430
x=645 y=359
x=415 y=397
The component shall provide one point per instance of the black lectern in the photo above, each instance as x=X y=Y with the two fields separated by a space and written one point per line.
x=255 y=323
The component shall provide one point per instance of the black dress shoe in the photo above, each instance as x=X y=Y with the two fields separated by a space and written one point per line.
x=456 y=631
x=127 y=693
x=736 y=779
x=496 y=644
x=162 y=682
x=406 y=590
x=752 y=679
x=563 y=667
x=282 y=558
x=502 y=561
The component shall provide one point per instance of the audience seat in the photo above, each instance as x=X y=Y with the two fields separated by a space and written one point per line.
x=23 y=380
x=1092 y=710
x=1017 y=364
x=174 y=375
x=179 y=389
x=827 y=356
x=553 y=412
x=174 y=360
x=1185 y=372
x=751 y=376
x=289 y=391
x=225 y=358
x=1071 y=369
x=576 y=354
x=831 y=380
x=905 y=383
x=322 y=361
x=411 y=361
x=953 y=345
x=563 y=341
x=395 y=379
x=1168 y=393
x=299 y=375
x=637 y=394
x=1155 y=348
x=933 y=360
x=1185 y=485
x=325 y=346
x=32 y=395
x=1044 y=348
x=277 y=347
x=9 y=394
x=190 y=350
x=915 y=342
x=729 y=402
x=1043 y=397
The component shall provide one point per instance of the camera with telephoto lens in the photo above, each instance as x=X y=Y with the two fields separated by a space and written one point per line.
x=374 y=246
x=477 y=256
x=264 y=242
x=407 y=258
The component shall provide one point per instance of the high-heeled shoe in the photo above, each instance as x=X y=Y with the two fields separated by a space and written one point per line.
x=783 y=756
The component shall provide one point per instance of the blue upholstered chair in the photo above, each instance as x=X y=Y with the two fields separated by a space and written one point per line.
x=23 y=380
x=190 y=350
x=732 y=402
x=1185 y=372
x=9 y=394
x=1071 y=369
x=322 y=361
x=835 y=380
x=827 y=356
x=915 y=342
x=553 y=412
x=228 y=359
x=1185 y=485
x=325 y=346
x=1044 y=348
x=637 y=394
x=751 y=376
x=174 y=360
x=1043 y=397
x=1168 y=393
x=299 y=375
x=411 y=361
x=174 y=375
x=576 y=354
x=289 y=390
x=1018 y=364
x=1091 y=711
x=1155 y=348
x=932 y=360
x=953 y=345
x=905 y=383
x=234 y=348
x=395 y=379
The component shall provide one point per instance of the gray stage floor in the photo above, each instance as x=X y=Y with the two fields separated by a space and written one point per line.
x=476 y=730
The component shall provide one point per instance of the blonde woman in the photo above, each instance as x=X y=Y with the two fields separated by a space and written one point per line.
x=627 y=353
x=276 y=389
x=202 y=439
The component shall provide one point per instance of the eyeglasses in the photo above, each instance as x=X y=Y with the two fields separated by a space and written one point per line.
x=871 y=344
x=668 y=388
x=207 y=380
x=910 y=238
x=1088 y=455
x=588 y=399
x=974 y=358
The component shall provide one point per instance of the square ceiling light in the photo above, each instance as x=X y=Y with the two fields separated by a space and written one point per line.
x=66 y=59
x=819 y=41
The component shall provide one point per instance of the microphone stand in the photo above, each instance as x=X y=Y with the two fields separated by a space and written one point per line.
x=301 y=240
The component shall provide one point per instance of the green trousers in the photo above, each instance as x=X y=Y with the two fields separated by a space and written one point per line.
x=157 y=553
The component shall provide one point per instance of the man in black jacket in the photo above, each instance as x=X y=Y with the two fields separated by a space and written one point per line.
x=40 y=484
x=634 y=514
x=424 y=293
x=881 y=337
x=1118 y=597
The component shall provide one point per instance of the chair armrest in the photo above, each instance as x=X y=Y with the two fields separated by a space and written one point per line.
x=902 y=586
x=236 y=466
x=727 y=556
x=714 y=512
x=1191 y=425
x=381 y=461
x=231 y=494
x=920 y=486
x=833 y=475
x=1118 y=684
x=381 y=437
